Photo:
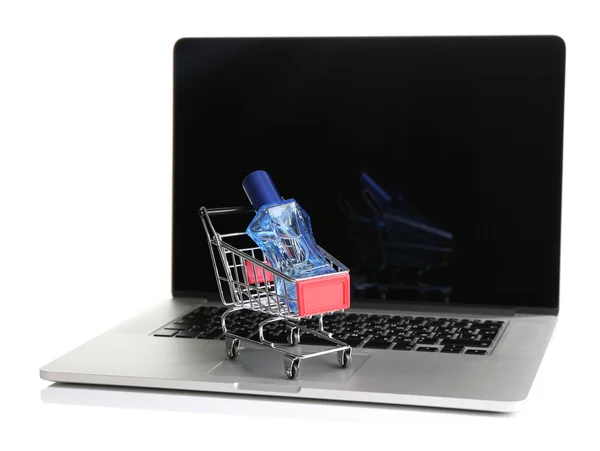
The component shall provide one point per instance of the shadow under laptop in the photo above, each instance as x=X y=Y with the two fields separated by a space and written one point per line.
x=235 y=404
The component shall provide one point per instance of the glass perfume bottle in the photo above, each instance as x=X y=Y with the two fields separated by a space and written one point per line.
x=282 y=229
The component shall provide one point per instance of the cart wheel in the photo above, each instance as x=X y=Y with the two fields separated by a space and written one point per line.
x=292 y=367
x=232 y=347
x=293 y=337
x=345 y=358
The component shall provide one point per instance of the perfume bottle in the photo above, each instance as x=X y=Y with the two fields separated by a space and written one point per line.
x=282 y=229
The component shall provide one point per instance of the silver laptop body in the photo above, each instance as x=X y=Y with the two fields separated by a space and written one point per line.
x=520 y=309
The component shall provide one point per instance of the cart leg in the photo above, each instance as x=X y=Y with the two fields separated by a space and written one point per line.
x=293 y=337
x=232 y=347
x=261 y=331
x=225 y=315
x=292 y=367
x=345 y=357
x=321 y=327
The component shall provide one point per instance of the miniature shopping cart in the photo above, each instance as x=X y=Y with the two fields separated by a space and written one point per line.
x=246 y=281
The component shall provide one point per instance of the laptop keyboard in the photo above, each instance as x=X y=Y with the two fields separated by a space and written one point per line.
x=397 y=333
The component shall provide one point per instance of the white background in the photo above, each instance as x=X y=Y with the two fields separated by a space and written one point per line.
x=85 y=155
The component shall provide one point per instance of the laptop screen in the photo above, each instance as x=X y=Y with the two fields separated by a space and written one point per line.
x=430 y=166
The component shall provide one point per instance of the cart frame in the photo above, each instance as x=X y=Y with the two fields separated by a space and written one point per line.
x=248 y=290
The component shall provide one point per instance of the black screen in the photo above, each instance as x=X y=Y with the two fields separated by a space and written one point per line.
x=431 y=167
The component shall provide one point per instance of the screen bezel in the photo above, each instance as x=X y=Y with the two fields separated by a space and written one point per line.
x=378 y=304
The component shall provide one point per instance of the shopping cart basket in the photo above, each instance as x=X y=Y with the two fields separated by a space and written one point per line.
x=246 y=281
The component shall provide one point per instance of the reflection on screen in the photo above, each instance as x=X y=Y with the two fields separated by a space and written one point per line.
x=429 y=166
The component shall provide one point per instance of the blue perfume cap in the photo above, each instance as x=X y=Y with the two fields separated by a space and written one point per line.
x=260 y=189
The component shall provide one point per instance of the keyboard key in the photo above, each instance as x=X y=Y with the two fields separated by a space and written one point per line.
x=476 y=351
x=466 y=337
x=353 y=332
x=468 y=333
x=384 y=334
x=459 y=342
x=420 y=333
x=454 y=347
x=399 y=333
x=481 y=344
x=426 y=349
x=427 y=341
x=489 y=326
x=489 y=334
x=452 y=350
x=165 y=333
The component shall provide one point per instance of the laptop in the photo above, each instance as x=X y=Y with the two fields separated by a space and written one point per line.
x=429 y=166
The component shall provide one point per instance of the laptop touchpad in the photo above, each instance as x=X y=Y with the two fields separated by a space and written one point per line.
x=264 y=363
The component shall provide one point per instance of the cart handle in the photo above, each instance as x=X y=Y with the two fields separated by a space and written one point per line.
x=225 y=210
x=206 y=213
